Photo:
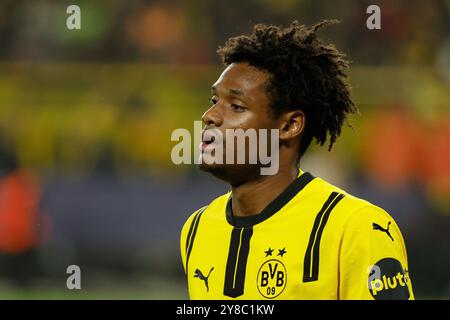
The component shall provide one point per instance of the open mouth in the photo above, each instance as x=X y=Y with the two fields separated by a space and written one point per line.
x=208 y=137
x=209 y=141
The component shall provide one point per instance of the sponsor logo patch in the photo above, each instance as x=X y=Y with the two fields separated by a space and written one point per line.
x=388 y=280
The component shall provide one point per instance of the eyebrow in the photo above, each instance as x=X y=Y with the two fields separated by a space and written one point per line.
x=235 y=92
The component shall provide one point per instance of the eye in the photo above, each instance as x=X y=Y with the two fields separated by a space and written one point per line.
x=238 y=108
x=213 y=100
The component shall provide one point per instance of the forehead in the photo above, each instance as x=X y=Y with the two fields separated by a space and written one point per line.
x=245 y=78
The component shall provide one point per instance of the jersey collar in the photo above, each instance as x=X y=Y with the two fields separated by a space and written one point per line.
x=279 y=202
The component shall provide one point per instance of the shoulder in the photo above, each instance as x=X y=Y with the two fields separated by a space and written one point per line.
x=361 y=223
x=352 y=211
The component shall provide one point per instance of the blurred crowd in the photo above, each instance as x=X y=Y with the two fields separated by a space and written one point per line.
x=189 y=31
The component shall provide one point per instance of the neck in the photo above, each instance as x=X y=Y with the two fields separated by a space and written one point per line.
x=252 y=197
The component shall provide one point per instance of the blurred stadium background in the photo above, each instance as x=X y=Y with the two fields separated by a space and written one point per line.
x=86 y=118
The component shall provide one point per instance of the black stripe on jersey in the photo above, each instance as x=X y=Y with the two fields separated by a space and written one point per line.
x=237 y=262
x=311 y=262
x=291 y=191
x=191 y=235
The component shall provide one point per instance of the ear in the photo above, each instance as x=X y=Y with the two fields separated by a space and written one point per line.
x=292 y=124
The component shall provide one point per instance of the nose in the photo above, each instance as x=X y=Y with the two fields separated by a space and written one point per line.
x=213 y=117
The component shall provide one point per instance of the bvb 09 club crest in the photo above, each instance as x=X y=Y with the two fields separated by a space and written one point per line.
x=272 y=278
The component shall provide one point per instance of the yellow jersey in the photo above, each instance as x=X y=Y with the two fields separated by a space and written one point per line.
x=314 y=241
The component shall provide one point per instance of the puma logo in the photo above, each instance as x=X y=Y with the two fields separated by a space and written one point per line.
x=199 y=274
x=378 y=227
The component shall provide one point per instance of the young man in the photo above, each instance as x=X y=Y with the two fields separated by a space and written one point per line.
x=288 y=235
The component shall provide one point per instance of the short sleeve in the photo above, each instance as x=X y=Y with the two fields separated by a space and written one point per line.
x=372 y=258
x=186 y=232
x=183 y=239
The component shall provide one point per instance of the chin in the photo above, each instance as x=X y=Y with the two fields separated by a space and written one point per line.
x=217 y=170
x=233 y=174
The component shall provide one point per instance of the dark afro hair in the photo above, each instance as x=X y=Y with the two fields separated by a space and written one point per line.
x=305 y=74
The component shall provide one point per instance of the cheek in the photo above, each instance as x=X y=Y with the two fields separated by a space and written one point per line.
x=259 y=121
x=244 y=120
x=249 y=119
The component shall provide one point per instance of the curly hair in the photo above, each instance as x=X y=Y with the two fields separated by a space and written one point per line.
x=304 y=74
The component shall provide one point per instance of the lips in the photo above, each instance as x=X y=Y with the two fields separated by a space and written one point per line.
x=208 y=138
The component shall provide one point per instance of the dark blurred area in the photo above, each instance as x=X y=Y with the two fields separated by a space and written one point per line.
x=86 y=117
